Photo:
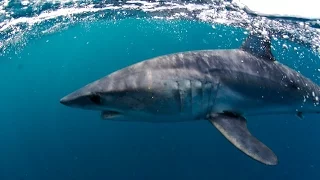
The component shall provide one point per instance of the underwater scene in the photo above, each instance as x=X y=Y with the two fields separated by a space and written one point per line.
x=231 y=90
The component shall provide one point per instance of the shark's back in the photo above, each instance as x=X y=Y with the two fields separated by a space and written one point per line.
x=203 y=61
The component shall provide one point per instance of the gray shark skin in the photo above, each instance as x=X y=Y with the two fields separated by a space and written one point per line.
x=221 y=86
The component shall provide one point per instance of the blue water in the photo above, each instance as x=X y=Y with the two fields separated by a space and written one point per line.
x=41 y=139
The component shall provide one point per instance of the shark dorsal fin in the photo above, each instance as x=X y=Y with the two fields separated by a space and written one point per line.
x=258 y=46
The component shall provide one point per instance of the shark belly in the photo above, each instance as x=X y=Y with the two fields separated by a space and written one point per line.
x=228 y=99
x=257 y=103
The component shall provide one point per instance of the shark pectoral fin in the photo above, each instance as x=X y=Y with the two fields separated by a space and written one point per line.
x=234 y=128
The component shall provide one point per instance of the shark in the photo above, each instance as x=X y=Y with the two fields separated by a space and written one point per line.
x=222 y=86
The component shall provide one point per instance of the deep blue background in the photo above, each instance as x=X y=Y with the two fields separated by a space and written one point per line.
x=42 y=139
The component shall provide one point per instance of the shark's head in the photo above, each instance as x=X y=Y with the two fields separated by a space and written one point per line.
x=83 y=98
x=124 y=93
x=102 y=95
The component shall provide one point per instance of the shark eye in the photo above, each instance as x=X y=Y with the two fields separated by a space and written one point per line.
x=95 y=99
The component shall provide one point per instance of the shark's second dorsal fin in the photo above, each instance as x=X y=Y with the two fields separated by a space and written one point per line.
x=258 y=46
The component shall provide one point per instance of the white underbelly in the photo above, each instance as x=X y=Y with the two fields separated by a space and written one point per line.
x=227 y=100
x=230 y=100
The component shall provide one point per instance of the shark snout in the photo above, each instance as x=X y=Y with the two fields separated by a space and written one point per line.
x=69 y=100
x=65 y=101
x=73 y=99
x=81 y=99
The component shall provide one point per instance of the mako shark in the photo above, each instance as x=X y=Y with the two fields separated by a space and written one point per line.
x=223 y=86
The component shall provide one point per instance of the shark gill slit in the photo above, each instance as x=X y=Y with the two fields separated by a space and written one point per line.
x=180 y=96
x=215 y=96
x=210 y=89
x=191 y=96
x=203 y=94
x=198 y=93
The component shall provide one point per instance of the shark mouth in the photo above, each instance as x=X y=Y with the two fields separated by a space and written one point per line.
x=109 y=114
